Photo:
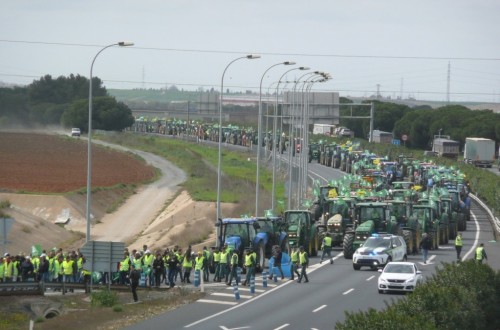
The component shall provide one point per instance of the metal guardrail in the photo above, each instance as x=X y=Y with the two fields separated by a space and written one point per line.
x=494 y=220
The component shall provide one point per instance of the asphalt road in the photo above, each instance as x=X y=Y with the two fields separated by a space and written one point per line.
x=319 y=304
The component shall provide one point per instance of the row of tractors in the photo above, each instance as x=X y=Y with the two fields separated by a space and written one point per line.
x=375 y=196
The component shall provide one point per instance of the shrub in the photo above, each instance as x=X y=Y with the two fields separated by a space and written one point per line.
x=104 y=298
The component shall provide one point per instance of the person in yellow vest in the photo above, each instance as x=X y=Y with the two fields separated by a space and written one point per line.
x=125 y=268
x=223 y=263
x=216 y=255
x=80 y=260
x=234 y=268
x=206 y=260
x=35 y=260
x=254 y=254
x=458 y=245
x=8 y=268
x=199 y=263
x=249 y=266
x=481 y=254
x=304 y=262
x=294 y=263
x=15 y=267
x=187 y=265
x=148 y=259
x=67 y=266
x=327 y=249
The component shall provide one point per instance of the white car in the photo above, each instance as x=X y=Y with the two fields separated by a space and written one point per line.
x=75 y=131
x=378 y=250
x=399 y=277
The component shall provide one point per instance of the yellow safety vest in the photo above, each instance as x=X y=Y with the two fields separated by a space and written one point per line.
x=186 y=263
x=479 y=253
x=254 y=255
x=58 y=268
x=458 y=241
x=223 y=257
x=125 y=264
x=36 y=263
x=199 y=263
x=327 y=241
x=2 y=267
x=79 y=263
x=303 y=258
x=67 y=267
x=216 y=256
x=234 y=259
x=8 y=269
x=15 y=270
x=148 y=260
x=295 y=256
x=138 y=264
x=249 y=261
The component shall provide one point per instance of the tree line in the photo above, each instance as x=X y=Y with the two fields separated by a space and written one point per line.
x=420 y=124
x=63 y=101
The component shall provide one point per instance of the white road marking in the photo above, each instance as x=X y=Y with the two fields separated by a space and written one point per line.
x=370 y=278
x=230 y=295
x=224 y=328
x=319 y=308
x=217 y=302
x=476 y=239
x=246 y=289
x=348 y=291
x=282 y=327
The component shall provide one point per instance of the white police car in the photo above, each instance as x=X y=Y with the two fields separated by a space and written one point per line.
x=378 y=250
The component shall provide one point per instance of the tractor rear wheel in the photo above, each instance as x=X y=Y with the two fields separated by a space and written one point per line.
x=348 y=245
x=408 y=236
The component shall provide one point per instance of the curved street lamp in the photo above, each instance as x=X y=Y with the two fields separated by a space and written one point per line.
x=250 y=57
x=275 y=128
x=89 y=149
x=259 y=134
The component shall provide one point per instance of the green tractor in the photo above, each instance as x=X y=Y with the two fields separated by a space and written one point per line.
x=314 y=152
x=337 y=219
x=302 y=231
x=370 y=218
x=426 y=215
x=402 y=210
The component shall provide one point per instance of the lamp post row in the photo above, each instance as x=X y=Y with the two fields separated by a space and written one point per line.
x=259 y=132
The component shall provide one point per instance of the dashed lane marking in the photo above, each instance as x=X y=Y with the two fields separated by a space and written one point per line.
x=348 y=291
x=319 y=308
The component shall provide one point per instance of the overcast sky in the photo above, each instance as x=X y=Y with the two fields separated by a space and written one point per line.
x=402 y=46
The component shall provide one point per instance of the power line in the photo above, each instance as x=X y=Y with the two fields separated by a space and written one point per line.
x=266 y=53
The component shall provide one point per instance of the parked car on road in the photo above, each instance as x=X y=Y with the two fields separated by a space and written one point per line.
x=378 y=250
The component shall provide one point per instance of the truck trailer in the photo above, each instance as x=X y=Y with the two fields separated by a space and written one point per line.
x=479 y=151
x=445 y=147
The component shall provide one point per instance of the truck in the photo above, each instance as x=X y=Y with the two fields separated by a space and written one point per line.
x=323 y=129
x=302 y=231
x=479 y=151
x=258 y=234
x=444 y=147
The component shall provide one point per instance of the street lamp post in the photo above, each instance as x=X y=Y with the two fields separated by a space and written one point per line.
x=275 y=128
x=89 y=150
x=250 y=57
x=259 y=135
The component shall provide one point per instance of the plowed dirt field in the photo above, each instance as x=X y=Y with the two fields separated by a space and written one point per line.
x=57 y=164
